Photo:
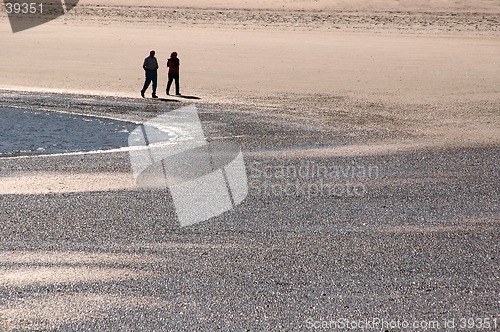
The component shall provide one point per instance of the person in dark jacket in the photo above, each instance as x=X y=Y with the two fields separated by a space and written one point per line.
x=150 y=67
x=173 y=65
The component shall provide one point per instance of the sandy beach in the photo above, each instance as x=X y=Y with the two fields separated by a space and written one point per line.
x=410 y=89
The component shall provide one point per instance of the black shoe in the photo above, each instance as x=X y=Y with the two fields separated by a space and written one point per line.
x=142 y=94
x=178 y=94
x=154 y=96
x=168 y=93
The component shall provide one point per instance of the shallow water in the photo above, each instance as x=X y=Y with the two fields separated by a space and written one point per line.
x=28 y=132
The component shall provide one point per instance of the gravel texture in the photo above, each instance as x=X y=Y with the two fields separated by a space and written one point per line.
x=417 y=243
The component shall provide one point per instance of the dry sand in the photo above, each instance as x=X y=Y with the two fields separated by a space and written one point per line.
x=416 y=56
x=482 y=6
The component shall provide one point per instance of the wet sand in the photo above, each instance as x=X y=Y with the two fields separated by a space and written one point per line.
x=84 y=248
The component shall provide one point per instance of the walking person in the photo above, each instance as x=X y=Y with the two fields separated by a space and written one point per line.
x=150 y=67
x=173 y=65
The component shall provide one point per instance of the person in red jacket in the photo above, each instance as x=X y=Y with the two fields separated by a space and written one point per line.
x=173 y=65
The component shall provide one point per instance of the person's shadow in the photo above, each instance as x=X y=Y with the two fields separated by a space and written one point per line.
x=168 y=100
x=187 y=97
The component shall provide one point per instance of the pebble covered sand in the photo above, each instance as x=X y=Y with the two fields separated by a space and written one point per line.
x=372 y=171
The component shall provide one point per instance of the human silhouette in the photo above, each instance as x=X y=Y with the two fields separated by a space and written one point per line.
x=173 y=65
x=150 y=67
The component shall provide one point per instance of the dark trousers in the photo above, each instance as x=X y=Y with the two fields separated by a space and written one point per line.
x=151 y=76
x=172 y=77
